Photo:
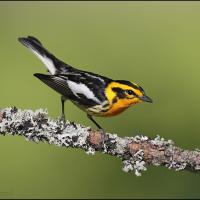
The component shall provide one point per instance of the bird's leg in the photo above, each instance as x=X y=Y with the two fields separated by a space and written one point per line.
x=101 y=130
x=90 y=117
x=63 y=108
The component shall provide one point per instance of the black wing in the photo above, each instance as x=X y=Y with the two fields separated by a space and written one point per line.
x=56 y=83
x=77 y=87
x=94 y=82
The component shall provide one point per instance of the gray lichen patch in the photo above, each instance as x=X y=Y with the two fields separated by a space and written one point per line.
x=36 y=126
x=159 y=141
x=136 y=163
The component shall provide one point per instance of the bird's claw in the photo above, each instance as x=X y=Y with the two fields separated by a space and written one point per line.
x=63 y=121
x=103 y=134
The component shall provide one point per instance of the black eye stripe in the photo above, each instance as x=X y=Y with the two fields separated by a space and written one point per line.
x=120 y=92
x=124 y=93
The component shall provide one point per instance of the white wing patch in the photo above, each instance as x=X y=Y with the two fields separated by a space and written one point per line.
x=47 y=62
x=79 y=88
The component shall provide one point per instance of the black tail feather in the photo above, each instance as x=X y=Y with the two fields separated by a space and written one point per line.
x=53 y=64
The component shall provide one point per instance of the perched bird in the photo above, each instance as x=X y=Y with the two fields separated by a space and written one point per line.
x=95 y=94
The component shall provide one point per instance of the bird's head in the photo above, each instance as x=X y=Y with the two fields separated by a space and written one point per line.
x=122 y=94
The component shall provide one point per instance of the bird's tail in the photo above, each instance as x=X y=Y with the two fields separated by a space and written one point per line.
x=53 y=64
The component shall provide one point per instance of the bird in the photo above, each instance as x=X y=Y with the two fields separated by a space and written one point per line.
x=96 y=95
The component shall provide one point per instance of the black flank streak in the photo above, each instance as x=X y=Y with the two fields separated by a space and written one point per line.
x=106 y=105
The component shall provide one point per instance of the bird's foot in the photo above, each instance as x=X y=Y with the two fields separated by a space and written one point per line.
x=104 y=136
x=63 y=121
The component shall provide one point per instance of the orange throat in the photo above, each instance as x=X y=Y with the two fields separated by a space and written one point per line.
x=120 y=106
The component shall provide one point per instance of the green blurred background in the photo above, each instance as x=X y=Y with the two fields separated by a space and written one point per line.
x=156 y=44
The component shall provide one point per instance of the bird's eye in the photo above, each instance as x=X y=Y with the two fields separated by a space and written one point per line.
x=130 y=92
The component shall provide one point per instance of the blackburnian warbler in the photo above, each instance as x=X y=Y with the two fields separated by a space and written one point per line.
x=95 y=94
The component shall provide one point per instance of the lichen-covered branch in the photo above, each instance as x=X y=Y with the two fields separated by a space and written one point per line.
x=135 y=152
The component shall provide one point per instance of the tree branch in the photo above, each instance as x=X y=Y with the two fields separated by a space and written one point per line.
x=135 y=152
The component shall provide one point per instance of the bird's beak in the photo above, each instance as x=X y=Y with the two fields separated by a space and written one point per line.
x=146 y=99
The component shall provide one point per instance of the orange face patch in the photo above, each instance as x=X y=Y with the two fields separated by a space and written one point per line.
x=120 y=106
